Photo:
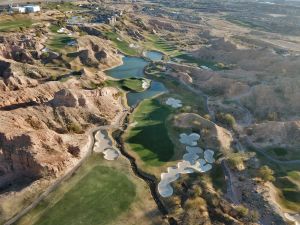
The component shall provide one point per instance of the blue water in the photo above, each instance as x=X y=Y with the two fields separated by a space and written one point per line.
x=155 y=89
x=154 y=56
x=134 y=67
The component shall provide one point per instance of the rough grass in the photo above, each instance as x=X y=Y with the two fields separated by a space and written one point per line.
x=129 y=84
x=149 y=138
x=98 y=198
x=15 y=23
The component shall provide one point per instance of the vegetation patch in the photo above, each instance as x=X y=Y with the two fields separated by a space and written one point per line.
x=200 y=62
x=133 y=84
x=162 y=45
x=218 y=178
x=15 y=23
x=149 y=137
x=59 y=41
x=179 y=91
x=121 y=44
x=280 y=151
x=294 y=175
x=98 y=198
x=61 y=6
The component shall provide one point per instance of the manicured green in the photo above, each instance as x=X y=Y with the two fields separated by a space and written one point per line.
x=130 y=84
x=96 y=199
x=15 y=23
x=121 y=44
x=149 y=137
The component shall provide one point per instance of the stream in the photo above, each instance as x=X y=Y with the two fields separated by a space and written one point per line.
x=134 y=67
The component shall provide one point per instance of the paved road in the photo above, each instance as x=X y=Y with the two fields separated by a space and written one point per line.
x=263 y=152
x=230 y=188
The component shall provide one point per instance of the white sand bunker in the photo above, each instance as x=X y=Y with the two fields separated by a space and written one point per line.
x=190 y=140
x=209 y=156
x=111 y=154
x=175 y=103
x=146 y=84
x=164 y=187
x=101 y=142
x=190 y=163
x=104 y=145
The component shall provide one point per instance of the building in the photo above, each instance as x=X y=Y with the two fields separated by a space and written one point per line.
x=25 y=9
x=17 y=9
x=32 y=8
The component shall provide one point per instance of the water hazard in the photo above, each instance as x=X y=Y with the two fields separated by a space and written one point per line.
x=134 y=67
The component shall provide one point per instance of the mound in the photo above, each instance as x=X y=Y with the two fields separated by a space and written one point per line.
x=213 y=136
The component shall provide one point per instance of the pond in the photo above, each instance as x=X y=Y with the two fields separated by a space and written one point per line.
x=154 y=55
x=134 y=67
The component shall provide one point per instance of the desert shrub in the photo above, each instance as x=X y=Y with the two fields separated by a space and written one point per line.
x=236 y=160
x=207 y=116
x=74 y=150
x=266 y=173
x=226 y=119
x=195 y=203
x=117 y=95
x=272 y=116
x=74 y=128
x=45 y=55
x=253 y=216
x=186 y=109
x=242 y=211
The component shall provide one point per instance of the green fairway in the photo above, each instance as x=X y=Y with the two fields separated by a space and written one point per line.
x=162 y=45
x=149 y=138
x=96 y=199
x=129 y=84
x=15 y=23
x=121 y=44
x=190 y=59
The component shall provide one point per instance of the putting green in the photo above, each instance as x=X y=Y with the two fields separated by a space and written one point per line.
x=149 y=137
x=97 y=199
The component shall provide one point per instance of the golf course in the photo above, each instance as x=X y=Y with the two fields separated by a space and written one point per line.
x=149 y=137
